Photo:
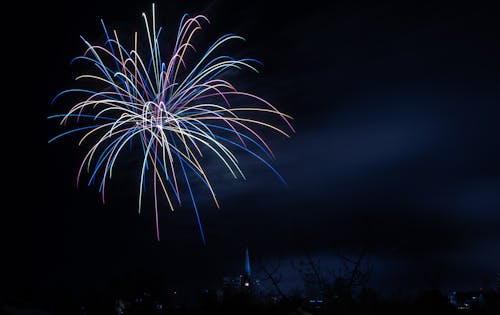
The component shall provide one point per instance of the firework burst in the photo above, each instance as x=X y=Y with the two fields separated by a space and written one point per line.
x=176 y=111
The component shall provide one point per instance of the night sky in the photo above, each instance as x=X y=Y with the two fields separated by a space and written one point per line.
x=397 y=151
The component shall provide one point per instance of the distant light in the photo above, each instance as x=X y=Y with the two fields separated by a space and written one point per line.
x=247 y=284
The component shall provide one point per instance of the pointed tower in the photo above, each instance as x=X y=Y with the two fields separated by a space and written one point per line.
x=248 y=270
x=245 y=277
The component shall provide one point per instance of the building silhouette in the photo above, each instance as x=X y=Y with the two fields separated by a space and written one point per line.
x=242 y=283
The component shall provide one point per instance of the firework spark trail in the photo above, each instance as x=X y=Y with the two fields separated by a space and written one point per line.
x=174 y=116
